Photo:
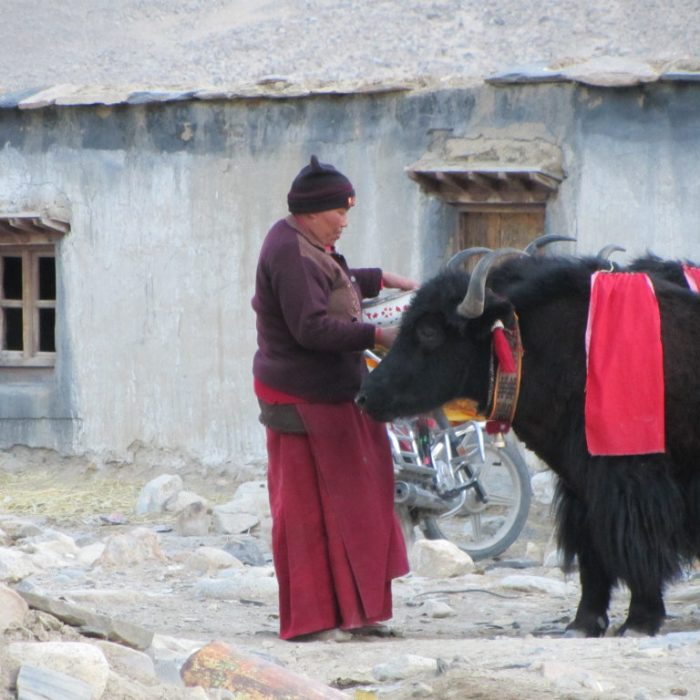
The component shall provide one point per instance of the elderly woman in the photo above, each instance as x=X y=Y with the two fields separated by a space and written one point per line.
x=336 y=542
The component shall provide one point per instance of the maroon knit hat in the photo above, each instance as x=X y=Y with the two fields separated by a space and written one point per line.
x=319 y=187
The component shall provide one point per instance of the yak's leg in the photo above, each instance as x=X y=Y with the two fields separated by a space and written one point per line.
x=575 y=541
x=645 y=615
x=592 y=614
x=637 y=517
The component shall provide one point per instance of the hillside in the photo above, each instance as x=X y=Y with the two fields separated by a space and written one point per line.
x=234 y=42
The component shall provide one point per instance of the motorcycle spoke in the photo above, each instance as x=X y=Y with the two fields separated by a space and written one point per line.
x=501 y=499
x=477 y=533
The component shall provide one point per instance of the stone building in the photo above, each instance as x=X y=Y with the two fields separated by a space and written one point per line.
x=130 y=224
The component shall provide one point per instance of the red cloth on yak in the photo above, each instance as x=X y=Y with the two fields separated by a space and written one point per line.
x=692 y=277
x=336 y=541
x=625 y=379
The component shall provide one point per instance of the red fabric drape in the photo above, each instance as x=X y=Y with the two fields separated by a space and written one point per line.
x=692 y=277
x=337 y=543
x=624 y=407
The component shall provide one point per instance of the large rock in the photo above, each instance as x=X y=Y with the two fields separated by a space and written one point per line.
x=229 y=521
x=128 y=662
x=13 y=608
x=252 y=497
x=45 y=684
x=95 y=625
x=181 y=499
x=51 y=549
x=249 y=506
x=157 y=492
x=15 y=565
x=82 y=661
x=219 y=665
x=134 y=547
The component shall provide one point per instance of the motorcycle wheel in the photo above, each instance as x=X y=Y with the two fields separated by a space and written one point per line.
x=485 y=530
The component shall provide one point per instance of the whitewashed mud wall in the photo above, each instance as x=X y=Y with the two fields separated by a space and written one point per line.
x=168 y=204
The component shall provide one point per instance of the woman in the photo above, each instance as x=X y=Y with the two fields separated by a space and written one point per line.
x=335 y=539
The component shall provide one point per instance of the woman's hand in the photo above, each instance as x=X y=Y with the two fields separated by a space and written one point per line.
x=384 y=337
x=394 y=281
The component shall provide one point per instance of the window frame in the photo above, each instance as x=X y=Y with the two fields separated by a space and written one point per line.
x=30 y=240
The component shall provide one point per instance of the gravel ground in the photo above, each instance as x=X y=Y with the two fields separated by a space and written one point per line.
x=494 y=633
x=234 y=42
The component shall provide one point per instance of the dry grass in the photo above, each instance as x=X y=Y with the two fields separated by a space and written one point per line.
x=50 y=494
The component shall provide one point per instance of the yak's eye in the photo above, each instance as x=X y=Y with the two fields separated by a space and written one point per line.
x=430 y=333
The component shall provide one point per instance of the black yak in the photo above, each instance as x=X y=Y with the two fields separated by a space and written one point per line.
x=627 y=519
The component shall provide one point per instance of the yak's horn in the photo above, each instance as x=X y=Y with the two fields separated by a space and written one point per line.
x=535 y=246
x=606 y=251
x=472 y=306
x=459 y=258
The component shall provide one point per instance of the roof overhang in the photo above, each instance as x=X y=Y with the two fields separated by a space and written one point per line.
x=31 y=228
x=486 y=184
x=490 y=170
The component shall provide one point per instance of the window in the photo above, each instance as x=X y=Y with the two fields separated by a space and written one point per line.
x=28 y=291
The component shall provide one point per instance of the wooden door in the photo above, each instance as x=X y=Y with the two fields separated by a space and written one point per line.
x=498 y=229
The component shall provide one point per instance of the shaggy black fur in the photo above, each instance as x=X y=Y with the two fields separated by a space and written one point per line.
x=671 y=270
x=631 y=520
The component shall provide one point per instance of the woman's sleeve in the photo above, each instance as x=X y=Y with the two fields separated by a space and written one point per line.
x=369 y=279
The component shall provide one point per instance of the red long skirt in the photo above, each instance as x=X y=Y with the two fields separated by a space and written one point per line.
x=336 y=541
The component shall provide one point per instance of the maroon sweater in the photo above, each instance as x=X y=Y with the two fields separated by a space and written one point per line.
x=310 y=331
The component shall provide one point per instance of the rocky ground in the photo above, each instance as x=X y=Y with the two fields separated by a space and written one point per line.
x=184 y=577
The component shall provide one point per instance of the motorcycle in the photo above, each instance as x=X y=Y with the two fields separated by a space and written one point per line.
x=455 y=481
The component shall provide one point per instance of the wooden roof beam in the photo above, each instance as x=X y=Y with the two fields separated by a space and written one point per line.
x=514 y=182
x=22 y=224
x=546 y=181
x=479 y=179
x=426 y=181
x=55 y=225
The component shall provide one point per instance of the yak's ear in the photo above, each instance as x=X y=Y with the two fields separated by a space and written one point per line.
x=495 y=307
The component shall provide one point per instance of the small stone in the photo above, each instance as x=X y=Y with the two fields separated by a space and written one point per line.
x=193 y=520
x=210 y=558
x=438 y=609
x=439 y=559
x=403 y=667
x=156 y=493
x=247 y=551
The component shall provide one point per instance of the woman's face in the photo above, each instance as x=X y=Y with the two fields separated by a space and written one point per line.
x=327 y=226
